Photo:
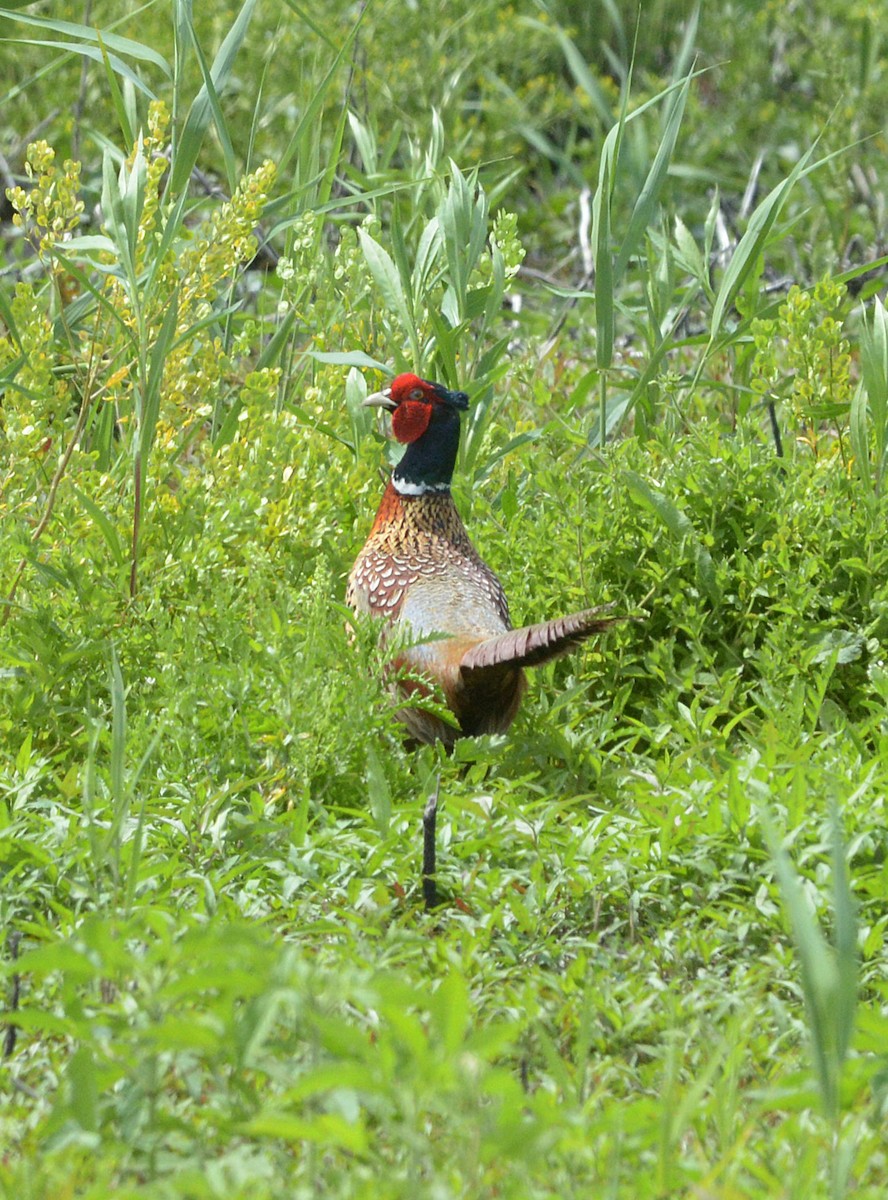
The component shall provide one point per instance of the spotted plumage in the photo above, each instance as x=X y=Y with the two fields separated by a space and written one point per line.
x=420 y=573
x=415 y=537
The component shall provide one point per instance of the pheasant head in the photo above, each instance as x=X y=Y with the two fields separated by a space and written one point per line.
x=425 y=418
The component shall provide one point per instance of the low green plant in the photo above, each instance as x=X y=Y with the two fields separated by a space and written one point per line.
x=219 y=980
x=152 y=311
x=803 y=359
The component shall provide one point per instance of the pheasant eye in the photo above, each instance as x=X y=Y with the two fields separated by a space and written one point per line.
x=417 y=394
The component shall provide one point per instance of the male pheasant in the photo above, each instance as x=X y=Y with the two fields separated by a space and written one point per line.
x=419 y=571
x=421 y=574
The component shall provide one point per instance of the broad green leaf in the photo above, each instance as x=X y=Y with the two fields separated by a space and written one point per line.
x=858 y=430
x=427 y=252
x=109 y=533
x=378 y=792
x=360 y=417
x=462 y=217
x=115 y=222
x=830 y=1000
x=451 y=1011
x=349 y=358
x=386 y=277
x=365 y=141
x=83 y=1089
x=328 y=1130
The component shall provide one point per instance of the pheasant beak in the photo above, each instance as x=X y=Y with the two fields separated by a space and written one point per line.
x=381 y=399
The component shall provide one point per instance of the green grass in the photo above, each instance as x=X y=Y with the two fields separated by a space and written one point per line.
x=659 y=969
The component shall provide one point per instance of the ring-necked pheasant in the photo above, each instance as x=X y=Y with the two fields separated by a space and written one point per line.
x=419 y=571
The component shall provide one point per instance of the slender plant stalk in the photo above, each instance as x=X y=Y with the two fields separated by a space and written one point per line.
x=137 y=525
x=42 y=524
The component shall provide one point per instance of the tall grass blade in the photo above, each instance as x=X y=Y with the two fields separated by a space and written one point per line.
x=95 y=55
x=648 y=200
x=90 y=36
x=604 y=266
x=688 y=48
x=845 y=939
x=211 y=92
x=305 y=15
x=308 y=125
x=579 y=68
x=130 y=869
x=119 y=797
x=187 y=145
x=150 y=408
x=753 y=242
x=858 y=432
x=828 y=973
x=874 y=366
x=120 y=106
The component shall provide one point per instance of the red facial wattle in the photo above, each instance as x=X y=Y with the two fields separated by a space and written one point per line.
x=411 y=419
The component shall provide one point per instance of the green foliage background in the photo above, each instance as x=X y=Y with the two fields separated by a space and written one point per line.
x=653 y=252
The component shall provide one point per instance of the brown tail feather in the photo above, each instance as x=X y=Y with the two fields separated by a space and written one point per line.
x=536 y=644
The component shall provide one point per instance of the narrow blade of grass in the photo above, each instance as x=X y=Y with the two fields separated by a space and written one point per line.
x=206 y=103
x=117 y=100
x=308 y=126
x=874 y=363
x=151 y=401
x=604 y=266
x=579 y=68
x=753 y=241
x=91 y=36
x=649 y=197
x=94 y=54
x=830 y=999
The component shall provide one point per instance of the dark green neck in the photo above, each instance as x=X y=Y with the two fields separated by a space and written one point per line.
x=427 y=465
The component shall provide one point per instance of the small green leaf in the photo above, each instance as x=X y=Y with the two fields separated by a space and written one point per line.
x=378 y=792
x=680 y=526
x=327 y=1130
